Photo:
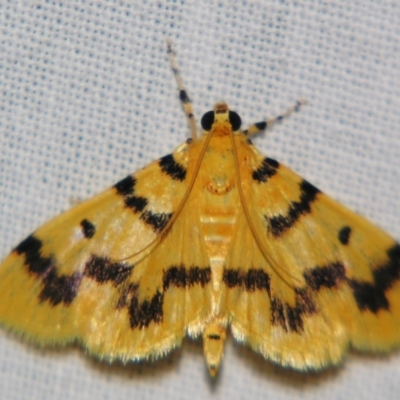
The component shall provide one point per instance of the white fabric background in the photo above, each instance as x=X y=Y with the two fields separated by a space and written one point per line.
x=87 y=96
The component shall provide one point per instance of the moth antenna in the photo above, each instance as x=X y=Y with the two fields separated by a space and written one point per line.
x=261 y=126
x=187 y=106
x=183 y=96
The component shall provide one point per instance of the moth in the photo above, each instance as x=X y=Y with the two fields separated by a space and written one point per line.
x=212 y=236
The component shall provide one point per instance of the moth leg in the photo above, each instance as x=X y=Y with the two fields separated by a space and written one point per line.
x=260 y=126
x=183 y=96
x=214 y=336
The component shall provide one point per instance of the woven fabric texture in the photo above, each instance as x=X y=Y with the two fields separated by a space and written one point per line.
x=87 y=96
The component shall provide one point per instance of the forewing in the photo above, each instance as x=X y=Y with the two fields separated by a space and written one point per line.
x=77 y=277
x=325 y=279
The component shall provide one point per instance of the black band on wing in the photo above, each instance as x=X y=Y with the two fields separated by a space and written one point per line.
x=254 y=279
x=59 y=288
x=279 y=224
x=186 y=277
x=268 y=168
x=371 y=295
x=291 y=317
x=142 y=314
x=126 y=189
x=103 y=270
x=56 y=288
x=173 y=169
x=368 y=295
x=287 y=316
x=151 y=310
x=328 y=276
x=157 y=221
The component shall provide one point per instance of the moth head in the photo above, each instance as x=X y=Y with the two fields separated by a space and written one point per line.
x=221 y=119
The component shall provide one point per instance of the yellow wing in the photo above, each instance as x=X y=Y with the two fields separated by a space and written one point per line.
x=73 y=279
x=325 y=278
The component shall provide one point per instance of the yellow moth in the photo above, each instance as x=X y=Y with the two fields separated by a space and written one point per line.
x=210 y=237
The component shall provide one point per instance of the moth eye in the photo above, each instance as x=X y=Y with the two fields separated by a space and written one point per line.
x=207 y=120
x=235 y=121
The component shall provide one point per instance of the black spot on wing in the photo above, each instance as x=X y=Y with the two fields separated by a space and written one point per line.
x=157 y=221
x=126 y=189
x=103 y=270
x=328 y=276
x=186 y=277
x=279 y=224
x=170 y=167
x=56 y=288
x=88 y=229
x=214 y=336
x=344 y=235
x=371 y=295
x=268 y=168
